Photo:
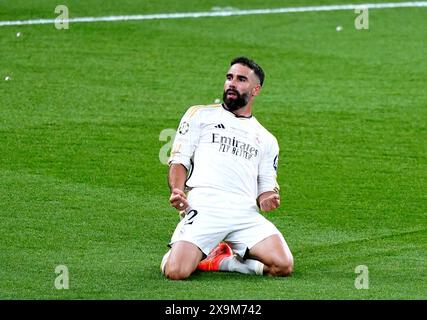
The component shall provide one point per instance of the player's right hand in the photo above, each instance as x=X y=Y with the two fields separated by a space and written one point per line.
x=178 y=199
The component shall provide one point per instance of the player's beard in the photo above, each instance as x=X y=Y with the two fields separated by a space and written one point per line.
x=236 y=103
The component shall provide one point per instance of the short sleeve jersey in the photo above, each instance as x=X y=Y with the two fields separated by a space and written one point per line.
x=234 y=155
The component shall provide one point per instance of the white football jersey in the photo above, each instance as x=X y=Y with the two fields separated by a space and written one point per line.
x=226 y=154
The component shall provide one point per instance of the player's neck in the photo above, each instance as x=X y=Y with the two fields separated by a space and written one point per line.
x=245 y=112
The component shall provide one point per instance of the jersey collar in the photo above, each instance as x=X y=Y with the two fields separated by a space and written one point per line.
x=237 y=116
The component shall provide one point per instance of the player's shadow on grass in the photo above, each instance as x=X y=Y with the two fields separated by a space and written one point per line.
x=154 y=273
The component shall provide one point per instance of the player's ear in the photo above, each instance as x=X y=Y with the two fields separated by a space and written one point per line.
x=256 y=90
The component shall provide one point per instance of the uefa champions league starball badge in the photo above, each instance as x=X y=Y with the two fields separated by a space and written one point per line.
x=183 y=128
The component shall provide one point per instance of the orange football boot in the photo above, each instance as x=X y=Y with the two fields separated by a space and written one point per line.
x=213 y=260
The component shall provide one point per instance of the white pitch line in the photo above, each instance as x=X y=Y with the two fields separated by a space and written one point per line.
x=225 y=13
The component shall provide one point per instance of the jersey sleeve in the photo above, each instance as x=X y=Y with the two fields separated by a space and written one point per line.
x=186 y=139
x=267 y=173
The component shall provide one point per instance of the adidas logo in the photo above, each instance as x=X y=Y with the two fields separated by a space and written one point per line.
x=221 y=126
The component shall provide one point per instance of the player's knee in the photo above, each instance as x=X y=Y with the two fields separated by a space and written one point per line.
x=287 y=269
x=282 y=267
x=174 y=271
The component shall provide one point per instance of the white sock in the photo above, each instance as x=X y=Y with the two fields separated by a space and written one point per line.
x=247 y=266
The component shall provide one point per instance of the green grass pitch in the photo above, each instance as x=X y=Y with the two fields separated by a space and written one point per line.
x=81 y=183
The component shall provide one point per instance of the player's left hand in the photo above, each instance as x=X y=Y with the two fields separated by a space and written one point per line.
x=269 y=202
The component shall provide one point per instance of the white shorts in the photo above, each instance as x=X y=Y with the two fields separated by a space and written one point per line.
x=206 y=227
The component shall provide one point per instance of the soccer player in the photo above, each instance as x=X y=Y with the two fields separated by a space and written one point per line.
x=227 y=162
